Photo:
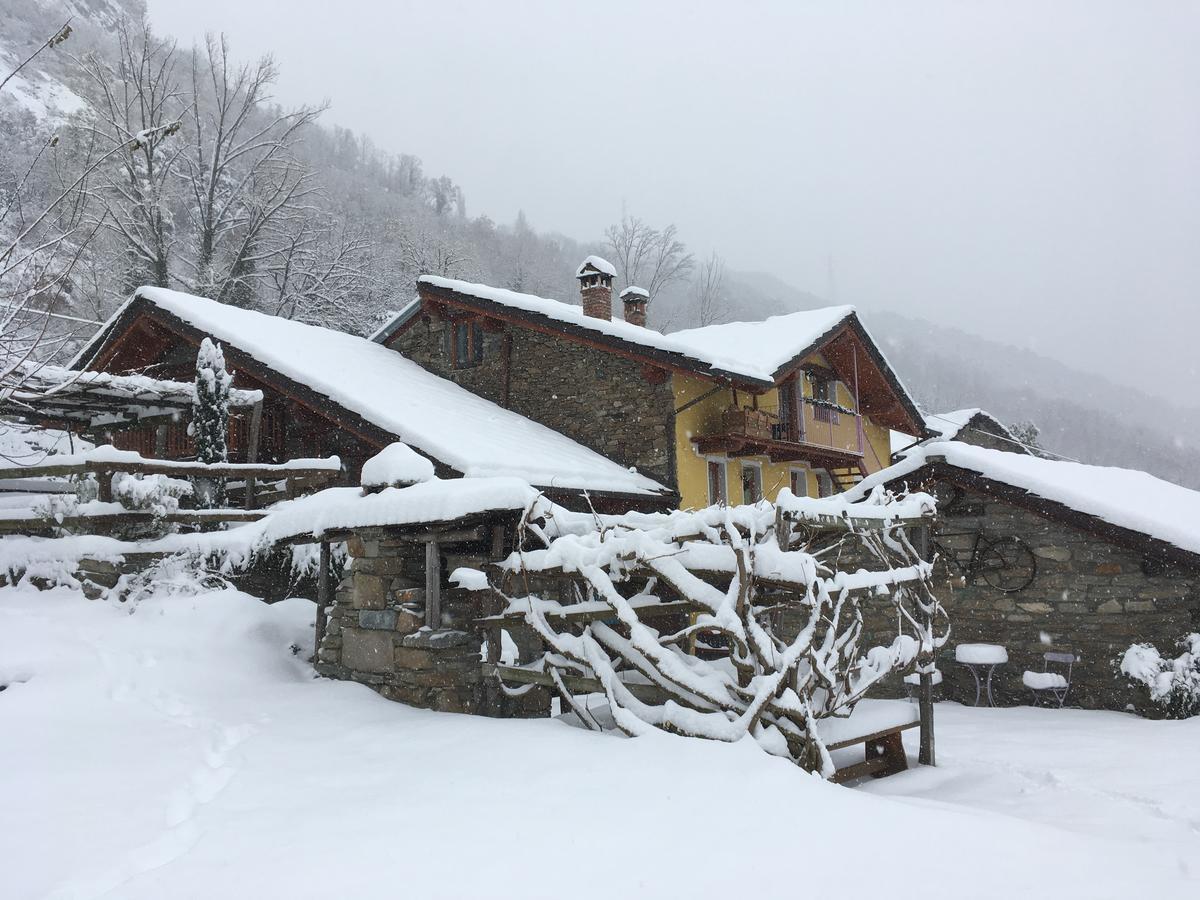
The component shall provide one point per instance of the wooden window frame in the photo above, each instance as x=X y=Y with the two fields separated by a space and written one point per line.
x=823 y=479
x=721 y=465
x=800 y=472
x=748 y=466
x=472 y=330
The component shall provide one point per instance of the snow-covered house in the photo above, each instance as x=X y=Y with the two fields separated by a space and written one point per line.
x=1039 y=555
x=968 y=426
x=329 y=393
x=725 y=412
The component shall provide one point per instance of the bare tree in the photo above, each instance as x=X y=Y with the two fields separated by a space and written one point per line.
x=240 y=170
x=646 y=256
x=44 y=235
x=320 y=273
x=708 y=290
x=137 y=106
x=427 y=250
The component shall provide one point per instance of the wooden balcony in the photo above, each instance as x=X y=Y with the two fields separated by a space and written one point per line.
x=827 y=438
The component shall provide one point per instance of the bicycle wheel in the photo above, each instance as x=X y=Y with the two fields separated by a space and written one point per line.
x=1005 y=563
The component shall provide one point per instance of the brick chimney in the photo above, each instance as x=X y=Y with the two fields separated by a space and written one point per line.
x=595 y=287
x=635 y=300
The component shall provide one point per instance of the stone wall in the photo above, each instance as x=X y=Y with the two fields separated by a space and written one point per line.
x=1088 y=596
x=376 y=633
x=599 y=399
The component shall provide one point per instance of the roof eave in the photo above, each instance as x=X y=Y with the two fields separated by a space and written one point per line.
x=654 y=356
x=1119 y=535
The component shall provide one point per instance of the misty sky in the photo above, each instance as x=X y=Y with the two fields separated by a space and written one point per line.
x=1028 y=171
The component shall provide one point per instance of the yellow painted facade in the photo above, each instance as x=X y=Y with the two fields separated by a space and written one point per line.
x=705 y=417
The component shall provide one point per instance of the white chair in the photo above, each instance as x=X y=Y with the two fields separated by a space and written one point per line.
x=1051 y=684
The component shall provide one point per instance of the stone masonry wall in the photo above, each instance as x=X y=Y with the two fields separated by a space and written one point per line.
x=596 y=398
x=376 y=633
x=1088 y=596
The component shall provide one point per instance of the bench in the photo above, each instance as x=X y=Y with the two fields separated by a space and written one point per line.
x=878 y=725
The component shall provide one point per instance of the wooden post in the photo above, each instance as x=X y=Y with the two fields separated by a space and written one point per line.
x=323 y=599
x=160 y=440
x=105 y=480
x=926 y=756
x=433 y=584
x=252 y=436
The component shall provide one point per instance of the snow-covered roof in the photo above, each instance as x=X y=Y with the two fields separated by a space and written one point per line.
x=1127 y=498
x=437 y=417
x=634 y=291
x=766 y=345
x=425 y=503
x=751 y=350
x=947 y=426
x=394 y=465
x=599 y=263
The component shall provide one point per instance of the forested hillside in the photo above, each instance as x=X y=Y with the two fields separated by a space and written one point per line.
x=198 y=180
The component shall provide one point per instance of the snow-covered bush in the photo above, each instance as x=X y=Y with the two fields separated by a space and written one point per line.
x=737 y=571
x=1174 y=684
x=158 y=494
x=210 y=420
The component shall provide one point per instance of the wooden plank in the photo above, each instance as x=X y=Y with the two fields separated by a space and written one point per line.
x=129 y=517
x=570 y=614
x=867 y=767
x=254 y=430
x=323 y=598
x=578 y=684
x=433 y=584
x=874 y=736
x=171 y=468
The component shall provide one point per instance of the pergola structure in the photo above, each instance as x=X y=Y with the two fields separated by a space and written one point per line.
x=54 y=396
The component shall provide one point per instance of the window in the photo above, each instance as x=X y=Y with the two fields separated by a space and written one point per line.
x=716 y=482
x=824 y=484
x=751 y=483
x=799 y=483
x=466 y=344
x=824 y=391
x=791 y=422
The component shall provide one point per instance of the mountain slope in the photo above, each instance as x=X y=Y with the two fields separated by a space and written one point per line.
x=1080 y=414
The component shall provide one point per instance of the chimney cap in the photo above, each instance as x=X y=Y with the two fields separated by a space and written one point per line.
x=596 y=265
x=634 y=293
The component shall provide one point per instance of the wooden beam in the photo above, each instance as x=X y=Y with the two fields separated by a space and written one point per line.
x=323 y=598
x=254 y=430
x=128 y=517
x=647 y=693
x=591 y=614
x=433 y=584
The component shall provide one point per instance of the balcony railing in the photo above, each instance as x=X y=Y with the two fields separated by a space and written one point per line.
x=823 y=433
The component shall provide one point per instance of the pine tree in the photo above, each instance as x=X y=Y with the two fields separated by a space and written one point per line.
x=210 y=420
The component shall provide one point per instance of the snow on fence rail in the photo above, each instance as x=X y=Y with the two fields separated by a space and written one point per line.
x=148 y=491
x=299 y=475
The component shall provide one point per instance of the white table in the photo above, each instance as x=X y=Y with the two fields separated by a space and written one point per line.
x=978 y=659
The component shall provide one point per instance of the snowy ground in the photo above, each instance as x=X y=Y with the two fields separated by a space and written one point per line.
x=184 y=751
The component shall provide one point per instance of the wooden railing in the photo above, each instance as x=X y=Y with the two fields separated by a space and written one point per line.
x=257 y=484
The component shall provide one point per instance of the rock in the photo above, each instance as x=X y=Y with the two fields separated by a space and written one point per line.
x=1058 y=554
x=377 y=618
x=370 y=591
x=439 y=639
x=413 y=658
x=367 y=651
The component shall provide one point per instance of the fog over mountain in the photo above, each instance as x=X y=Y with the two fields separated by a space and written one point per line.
x=1014 y=212
x=1025 y=171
